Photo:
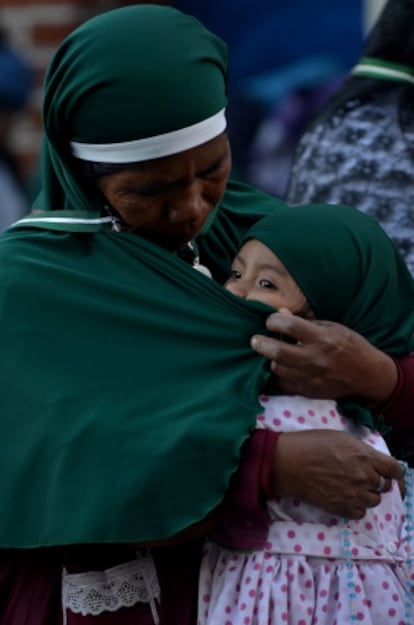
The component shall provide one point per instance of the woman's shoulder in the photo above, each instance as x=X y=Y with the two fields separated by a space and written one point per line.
x=241 y=206
x=241 y=197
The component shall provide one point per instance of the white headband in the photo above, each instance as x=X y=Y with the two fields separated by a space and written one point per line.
x=152 y=147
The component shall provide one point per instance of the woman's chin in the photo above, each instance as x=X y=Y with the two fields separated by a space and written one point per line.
x=170 y=241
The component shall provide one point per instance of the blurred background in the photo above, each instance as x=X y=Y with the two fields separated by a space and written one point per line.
x=286 y=57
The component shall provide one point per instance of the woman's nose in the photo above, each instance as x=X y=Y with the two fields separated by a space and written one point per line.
x=188 y=207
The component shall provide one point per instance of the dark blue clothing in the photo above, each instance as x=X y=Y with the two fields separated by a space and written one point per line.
x=265 y=34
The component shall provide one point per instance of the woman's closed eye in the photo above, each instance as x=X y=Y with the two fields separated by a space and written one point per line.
x=150 y=190
x=215 y=168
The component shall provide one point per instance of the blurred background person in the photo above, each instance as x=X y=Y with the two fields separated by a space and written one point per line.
x=286 y=58
x=359 y=148
x=15 y=88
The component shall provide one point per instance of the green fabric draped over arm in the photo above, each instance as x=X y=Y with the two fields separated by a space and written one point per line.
x=128 y=386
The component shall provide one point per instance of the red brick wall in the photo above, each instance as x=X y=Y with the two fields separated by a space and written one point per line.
x=36 y=28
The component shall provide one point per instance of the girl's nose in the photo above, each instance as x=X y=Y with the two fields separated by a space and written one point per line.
x=238 y=288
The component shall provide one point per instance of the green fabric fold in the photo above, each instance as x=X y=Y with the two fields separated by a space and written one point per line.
x=128 y=386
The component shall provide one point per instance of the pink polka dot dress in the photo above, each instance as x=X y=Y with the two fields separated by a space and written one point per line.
x=315 y=569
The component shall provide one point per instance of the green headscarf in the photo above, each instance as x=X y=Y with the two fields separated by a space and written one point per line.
x=350 y=272
x=127 y=381
x=127 y=75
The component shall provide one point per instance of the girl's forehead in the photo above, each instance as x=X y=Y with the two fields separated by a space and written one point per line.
x=257 y=253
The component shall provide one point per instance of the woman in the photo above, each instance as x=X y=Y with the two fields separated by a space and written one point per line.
x=114 y=423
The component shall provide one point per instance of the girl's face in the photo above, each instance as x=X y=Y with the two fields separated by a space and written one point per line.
x=169 y=199
x=258 y=274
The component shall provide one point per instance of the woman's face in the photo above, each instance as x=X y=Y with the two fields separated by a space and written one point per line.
x=169 y=199
x=258 y=274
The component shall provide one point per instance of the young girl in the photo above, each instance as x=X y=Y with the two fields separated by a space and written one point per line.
x=331 y=263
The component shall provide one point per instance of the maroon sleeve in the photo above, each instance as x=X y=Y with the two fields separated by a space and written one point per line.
x=250 y=485
x=30 y=587
x=398 y=411
x=244 y=518
x=266 y=466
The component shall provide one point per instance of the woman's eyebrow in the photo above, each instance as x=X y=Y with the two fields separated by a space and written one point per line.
x=161 y=182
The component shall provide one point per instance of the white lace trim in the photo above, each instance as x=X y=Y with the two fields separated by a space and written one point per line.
x=122 y=586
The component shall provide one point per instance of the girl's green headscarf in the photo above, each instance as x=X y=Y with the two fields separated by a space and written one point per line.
x=349 y=270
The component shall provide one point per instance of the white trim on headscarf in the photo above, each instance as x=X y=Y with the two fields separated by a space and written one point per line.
x=152 y=147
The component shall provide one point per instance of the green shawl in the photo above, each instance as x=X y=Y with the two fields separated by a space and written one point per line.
x=128 y=387
x=350 y=272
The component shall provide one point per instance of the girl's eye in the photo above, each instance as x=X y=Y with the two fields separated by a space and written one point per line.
x=234 y=273
x=266 y=284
